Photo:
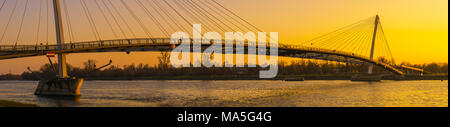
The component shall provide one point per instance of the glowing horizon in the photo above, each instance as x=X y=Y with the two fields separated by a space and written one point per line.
x=417 y=30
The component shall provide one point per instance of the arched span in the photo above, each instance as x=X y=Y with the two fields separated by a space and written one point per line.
x=158 y=44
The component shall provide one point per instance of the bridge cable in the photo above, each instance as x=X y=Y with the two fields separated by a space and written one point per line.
x=47 y=20
x=114 y=18
x=337 y=46
x=9 y=20
x=202 y=15
x=106 y=19
x=353 y=46
x=236 y=15
x=153 y=18
x=198 y=16
x=137 y=19
x=386 y=41
x=3 y=4
x=319 y=38
x=384 y=48
x=359 y=45
x=329 y=42
x=362 y=45
x=69 y=24
x=39 y=22
x=324 y=41
x=194 y=18
x=166 y=21
x=349 y=40
x=365 y=45
x=178 y=13
x=378 y=52
x=164 y=13
x=21 y=23
x=212 y=15
x=368 y=46
x=336 y=40
x=207 y=16
x=214 y=8
x=365 y=40
x=341 y=41
x=259 y=30
x=223 y=12
x=121 y=17
x=198 y=20
x=346 y=32
x=169 y=15
x=90 y=20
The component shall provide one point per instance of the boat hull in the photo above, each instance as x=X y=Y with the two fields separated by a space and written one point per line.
x=60 y=87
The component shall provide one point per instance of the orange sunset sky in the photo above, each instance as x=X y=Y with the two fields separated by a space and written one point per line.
x=417 y=30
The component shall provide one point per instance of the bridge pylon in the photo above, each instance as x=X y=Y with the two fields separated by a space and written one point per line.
x=63 y=85
x=372 y=51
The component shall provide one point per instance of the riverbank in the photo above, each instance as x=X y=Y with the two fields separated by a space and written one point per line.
x=4 y=103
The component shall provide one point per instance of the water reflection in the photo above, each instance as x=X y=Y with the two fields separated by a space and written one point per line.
x=170 y=93
x=63 y=101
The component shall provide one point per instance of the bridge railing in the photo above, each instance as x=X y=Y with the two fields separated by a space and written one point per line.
x=106 y=43
x=89 y=44
x=21 y=48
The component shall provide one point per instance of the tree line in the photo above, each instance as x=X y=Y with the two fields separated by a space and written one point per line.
x=163 y=69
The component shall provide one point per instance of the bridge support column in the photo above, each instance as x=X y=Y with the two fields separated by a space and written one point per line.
x=62 y=66
x=377 y=20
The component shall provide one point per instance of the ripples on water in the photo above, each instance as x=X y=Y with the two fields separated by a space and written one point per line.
x=240 y=93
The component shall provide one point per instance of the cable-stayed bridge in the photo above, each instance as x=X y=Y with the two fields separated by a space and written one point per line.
x=35 y=27
x=146 y=25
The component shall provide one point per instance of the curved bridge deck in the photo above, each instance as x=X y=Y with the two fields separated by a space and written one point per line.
x=157 y=44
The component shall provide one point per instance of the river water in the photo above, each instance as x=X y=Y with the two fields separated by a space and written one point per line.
x=239 y=93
